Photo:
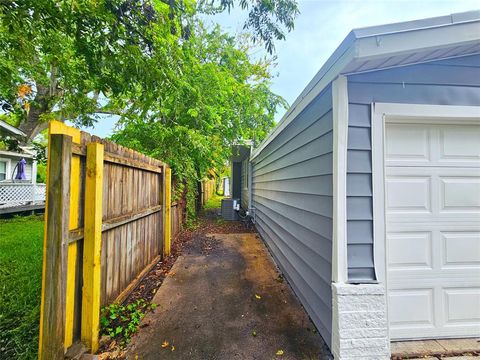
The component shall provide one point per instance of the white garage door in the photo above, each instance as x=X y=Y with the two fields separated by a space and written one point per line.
x=432 y=174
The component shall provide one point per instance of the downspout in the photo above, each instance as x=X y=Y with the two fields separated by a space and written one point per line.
x=251 y=209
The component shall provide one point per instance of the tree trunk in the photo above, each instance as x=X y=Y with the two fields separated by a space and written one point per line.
x=33 y=125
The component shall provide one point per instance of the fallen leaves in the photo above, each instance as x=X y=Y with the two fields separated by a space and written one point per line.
x=166 y=344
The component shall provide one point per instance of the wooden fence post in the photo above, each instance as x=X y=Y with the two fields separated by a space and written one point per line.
x=92 y=245
x=57 y=127
x=167 y=222
x=55 y=248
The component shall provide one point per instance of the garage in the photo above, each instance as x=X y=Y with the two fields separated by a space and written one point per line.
x=367 y=193
x=432 y=219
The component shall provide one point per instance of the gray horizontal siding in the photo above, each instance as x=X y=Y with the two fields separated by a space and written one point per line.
x=446 y=82
x=244 y=194
x=292 y=197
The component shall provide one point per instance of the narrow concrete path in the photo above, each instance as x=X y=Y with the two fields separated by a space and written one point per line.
x=225 y=299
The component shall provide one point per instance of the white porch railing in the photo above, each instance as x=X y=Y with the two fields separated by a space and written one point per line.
x=19 y=194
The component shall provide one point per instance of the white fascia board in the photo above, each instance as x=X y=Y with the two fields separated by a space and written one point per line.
x=418 y=24
x=11 y=129
x=15 y=154
x=381 y=46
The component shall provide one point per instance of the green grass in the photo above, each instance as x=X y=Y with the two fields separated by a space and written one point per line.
x=215 y=202
x=21 y=243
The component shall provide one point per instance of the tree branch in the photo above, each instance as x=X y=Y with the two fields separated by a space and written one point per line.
x=107 y=112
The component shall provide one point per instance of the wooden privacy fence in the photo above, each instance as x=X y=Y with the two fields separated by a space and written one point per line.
x=105 y=226
x=208 y=189
x=178 y=218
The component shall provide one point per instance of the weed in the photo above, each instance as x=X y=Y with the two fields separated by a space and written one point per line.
x=220 y=221
x=120 y=322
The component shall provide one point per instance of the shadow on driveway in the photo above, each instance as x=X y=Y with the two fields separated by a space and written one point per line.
x=225 y=299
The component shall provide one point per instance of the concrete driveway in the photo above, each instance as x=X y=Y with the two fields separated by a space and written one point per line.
x=225 y=299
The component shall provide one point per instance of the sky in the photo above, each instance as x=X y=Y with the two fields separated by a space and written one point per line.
x=319 y=29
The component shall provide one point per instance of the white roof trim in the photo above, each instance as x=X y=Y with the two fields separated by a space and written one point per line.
x=382 y=42
x=15 y=154
x=11 y=129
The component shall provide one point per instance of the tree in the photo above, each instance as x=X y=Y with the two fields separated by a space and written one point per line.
x=72 y=60
x=221 y=98
x=268 y=20
x=184 y=93
x=77 y=59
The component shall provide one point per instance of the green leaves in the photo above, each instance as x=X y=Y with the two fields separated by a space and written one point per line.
x=121 y=322
x=267 y=21
x=83 y=57
x=218 y=97
x=184 y=92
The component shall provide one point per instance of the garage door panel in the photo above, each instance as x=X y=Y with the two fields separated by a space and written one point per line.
x=407 y=144
x=415 y=308
x=459 y=143
x=462 y=305
x=460 y=194
x=432 y=204
x=461 y=249
x=419 y=255
x=408 y=194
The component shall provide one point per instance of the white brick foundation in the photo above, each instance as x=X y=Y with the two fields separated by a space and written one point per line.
x=360 y=327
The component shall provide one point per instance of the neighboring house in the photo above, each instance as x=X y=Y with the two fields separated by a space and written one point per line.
x=18 y=195
x=367 y=193
x=240 y=170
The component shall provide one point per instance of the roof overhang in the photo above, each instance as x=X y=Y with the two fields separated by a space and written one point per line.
x=387 y=46
x=15 y=154
x=240 y=152
x=11 y=129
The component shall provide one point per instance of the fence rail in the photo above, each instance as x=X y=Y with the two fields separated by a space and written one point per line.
x=108 y=219
x=18 y=194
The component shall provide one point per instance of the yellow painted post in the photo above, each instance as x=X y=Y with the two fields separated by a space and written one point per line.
x=92 y=245
x=57 y=127
x=168 y=219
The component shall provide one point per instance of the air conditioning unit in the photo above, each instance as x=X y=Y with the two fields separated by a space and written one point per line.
x=229 y=209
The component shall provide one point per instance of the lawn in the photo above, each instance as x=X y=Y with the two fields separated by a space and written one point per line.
x=215 y=202
x=21 y=242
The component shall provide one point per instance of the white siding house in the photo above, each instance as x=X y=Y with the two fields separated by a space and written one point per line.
x=18 y=195
x=367 y=193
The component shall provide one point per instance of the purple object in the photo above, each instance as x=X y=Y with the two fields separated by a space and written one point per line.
x=21 y=175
